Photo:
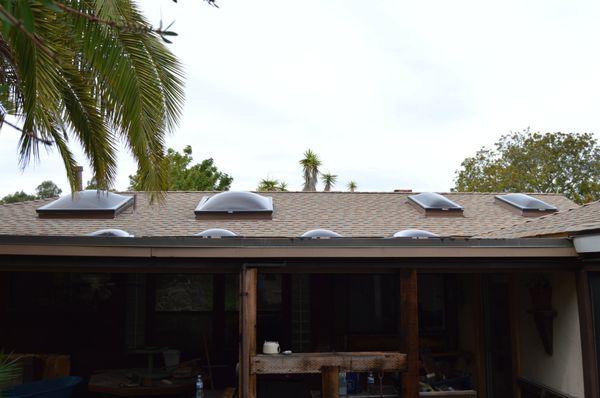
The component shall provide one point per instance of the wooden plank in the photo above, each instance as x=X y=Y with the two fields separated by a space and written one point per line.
x=409 y=332
x=305 y=363
x=330 y=382
x=248 y=331
x=588 y=344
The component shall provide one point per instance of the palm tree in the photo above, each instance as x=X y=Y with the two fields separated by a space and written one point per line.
x=267 y=185
x=10 y=370
x=282 y=186
x=329 y=180
x=352 y=186
x=94 y=72
x=310 y=167
x=270 y=185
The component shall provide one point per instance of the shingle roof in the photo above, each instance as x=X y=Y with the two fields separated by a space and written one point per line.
x=567 y=221
x=358 y=214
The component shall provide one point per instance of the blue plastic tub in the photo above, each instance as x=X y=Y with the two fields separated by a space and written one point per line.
x=55 y=388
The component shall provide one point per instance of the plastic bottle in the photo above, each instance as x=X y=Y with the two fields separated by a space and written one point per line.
x=343 y=385
x=371 y=383
x=199 y=387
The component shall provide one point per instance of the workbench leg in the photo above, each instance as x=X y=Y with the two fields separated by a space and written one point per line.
x=247 y=380
x=330 y=377
x=409 y=331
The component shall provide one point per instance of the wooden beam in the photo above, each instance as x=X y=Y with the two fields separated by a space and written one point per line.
x=314 y=362
x=514 y=313
x=330 y=382
x=409 y=332
x=480 y=373
x=247 y=380
x=588 y=344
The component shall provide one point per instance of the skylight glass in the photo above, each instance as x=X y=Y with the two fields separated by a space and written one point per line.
x=231 y=202
x=526 y=203
x=90 y=203
x=215 y=233
x=118 y=233
x=320 y=234
x=415 y=233
x=431 y=201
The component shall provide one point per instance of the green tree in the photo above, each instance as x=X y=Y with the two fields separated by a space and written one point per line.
x=47 y=189
x=310 y=168
x=203 y=176
x=19 y=196
x=94 y=72
x=271 y=185
x=352 y=186
x=535 y=162
x=329 y=180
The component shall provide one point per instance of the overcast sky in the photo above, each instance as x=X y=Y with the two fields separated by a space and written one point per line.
x=391 y=94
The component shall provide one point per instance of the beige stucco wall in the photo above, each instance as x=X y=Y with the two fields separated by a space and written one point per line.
x=563 y=370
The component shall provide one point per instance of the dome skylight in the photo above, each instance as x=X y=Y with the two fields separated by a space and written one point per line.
x=435 y=203
x=528 y=205
x=118 y=233
x=234 y=202
x=87 y=204
x=215 y=233
x=320 y=234
x=415 y=233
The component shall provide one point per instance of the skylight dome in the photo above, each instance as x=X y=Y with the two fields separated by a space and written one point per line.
x=233 y=202
x=87 y=204
x=415 y=233
x=528 y=205
x=118 y=233
x=434 y=202
x=215 y=233
x=320 y=234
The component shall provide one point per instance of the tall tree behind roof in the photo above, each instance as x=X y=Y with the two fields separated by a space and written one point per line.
x=535 y=162
x=183 y=176
x=329 y=180
x=93 y=71
x=271 y=185
x=47 y=189
x=310 y=168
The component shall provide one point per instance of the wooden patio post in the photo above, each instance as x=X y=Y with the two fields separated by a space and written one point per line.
x=330 y=381
x=247 y=380
x=586 y=329
x=409 y=332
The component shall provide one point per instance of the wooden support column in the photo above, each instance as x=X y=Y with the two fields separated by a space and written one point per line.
x=247 y=380
x=330 y=379
x=409 y=332
x=514 y=309
x=477 y=297
x=586 y=327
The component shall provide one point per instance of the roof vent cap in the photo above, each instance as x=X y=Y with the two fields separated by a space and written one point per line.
x=215 y=233
x=117 y=233
x=415 y=234
x=320 y=234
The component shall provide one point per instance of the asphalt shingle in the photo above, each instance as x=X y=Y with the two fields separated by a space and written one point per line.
x=358 y=214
